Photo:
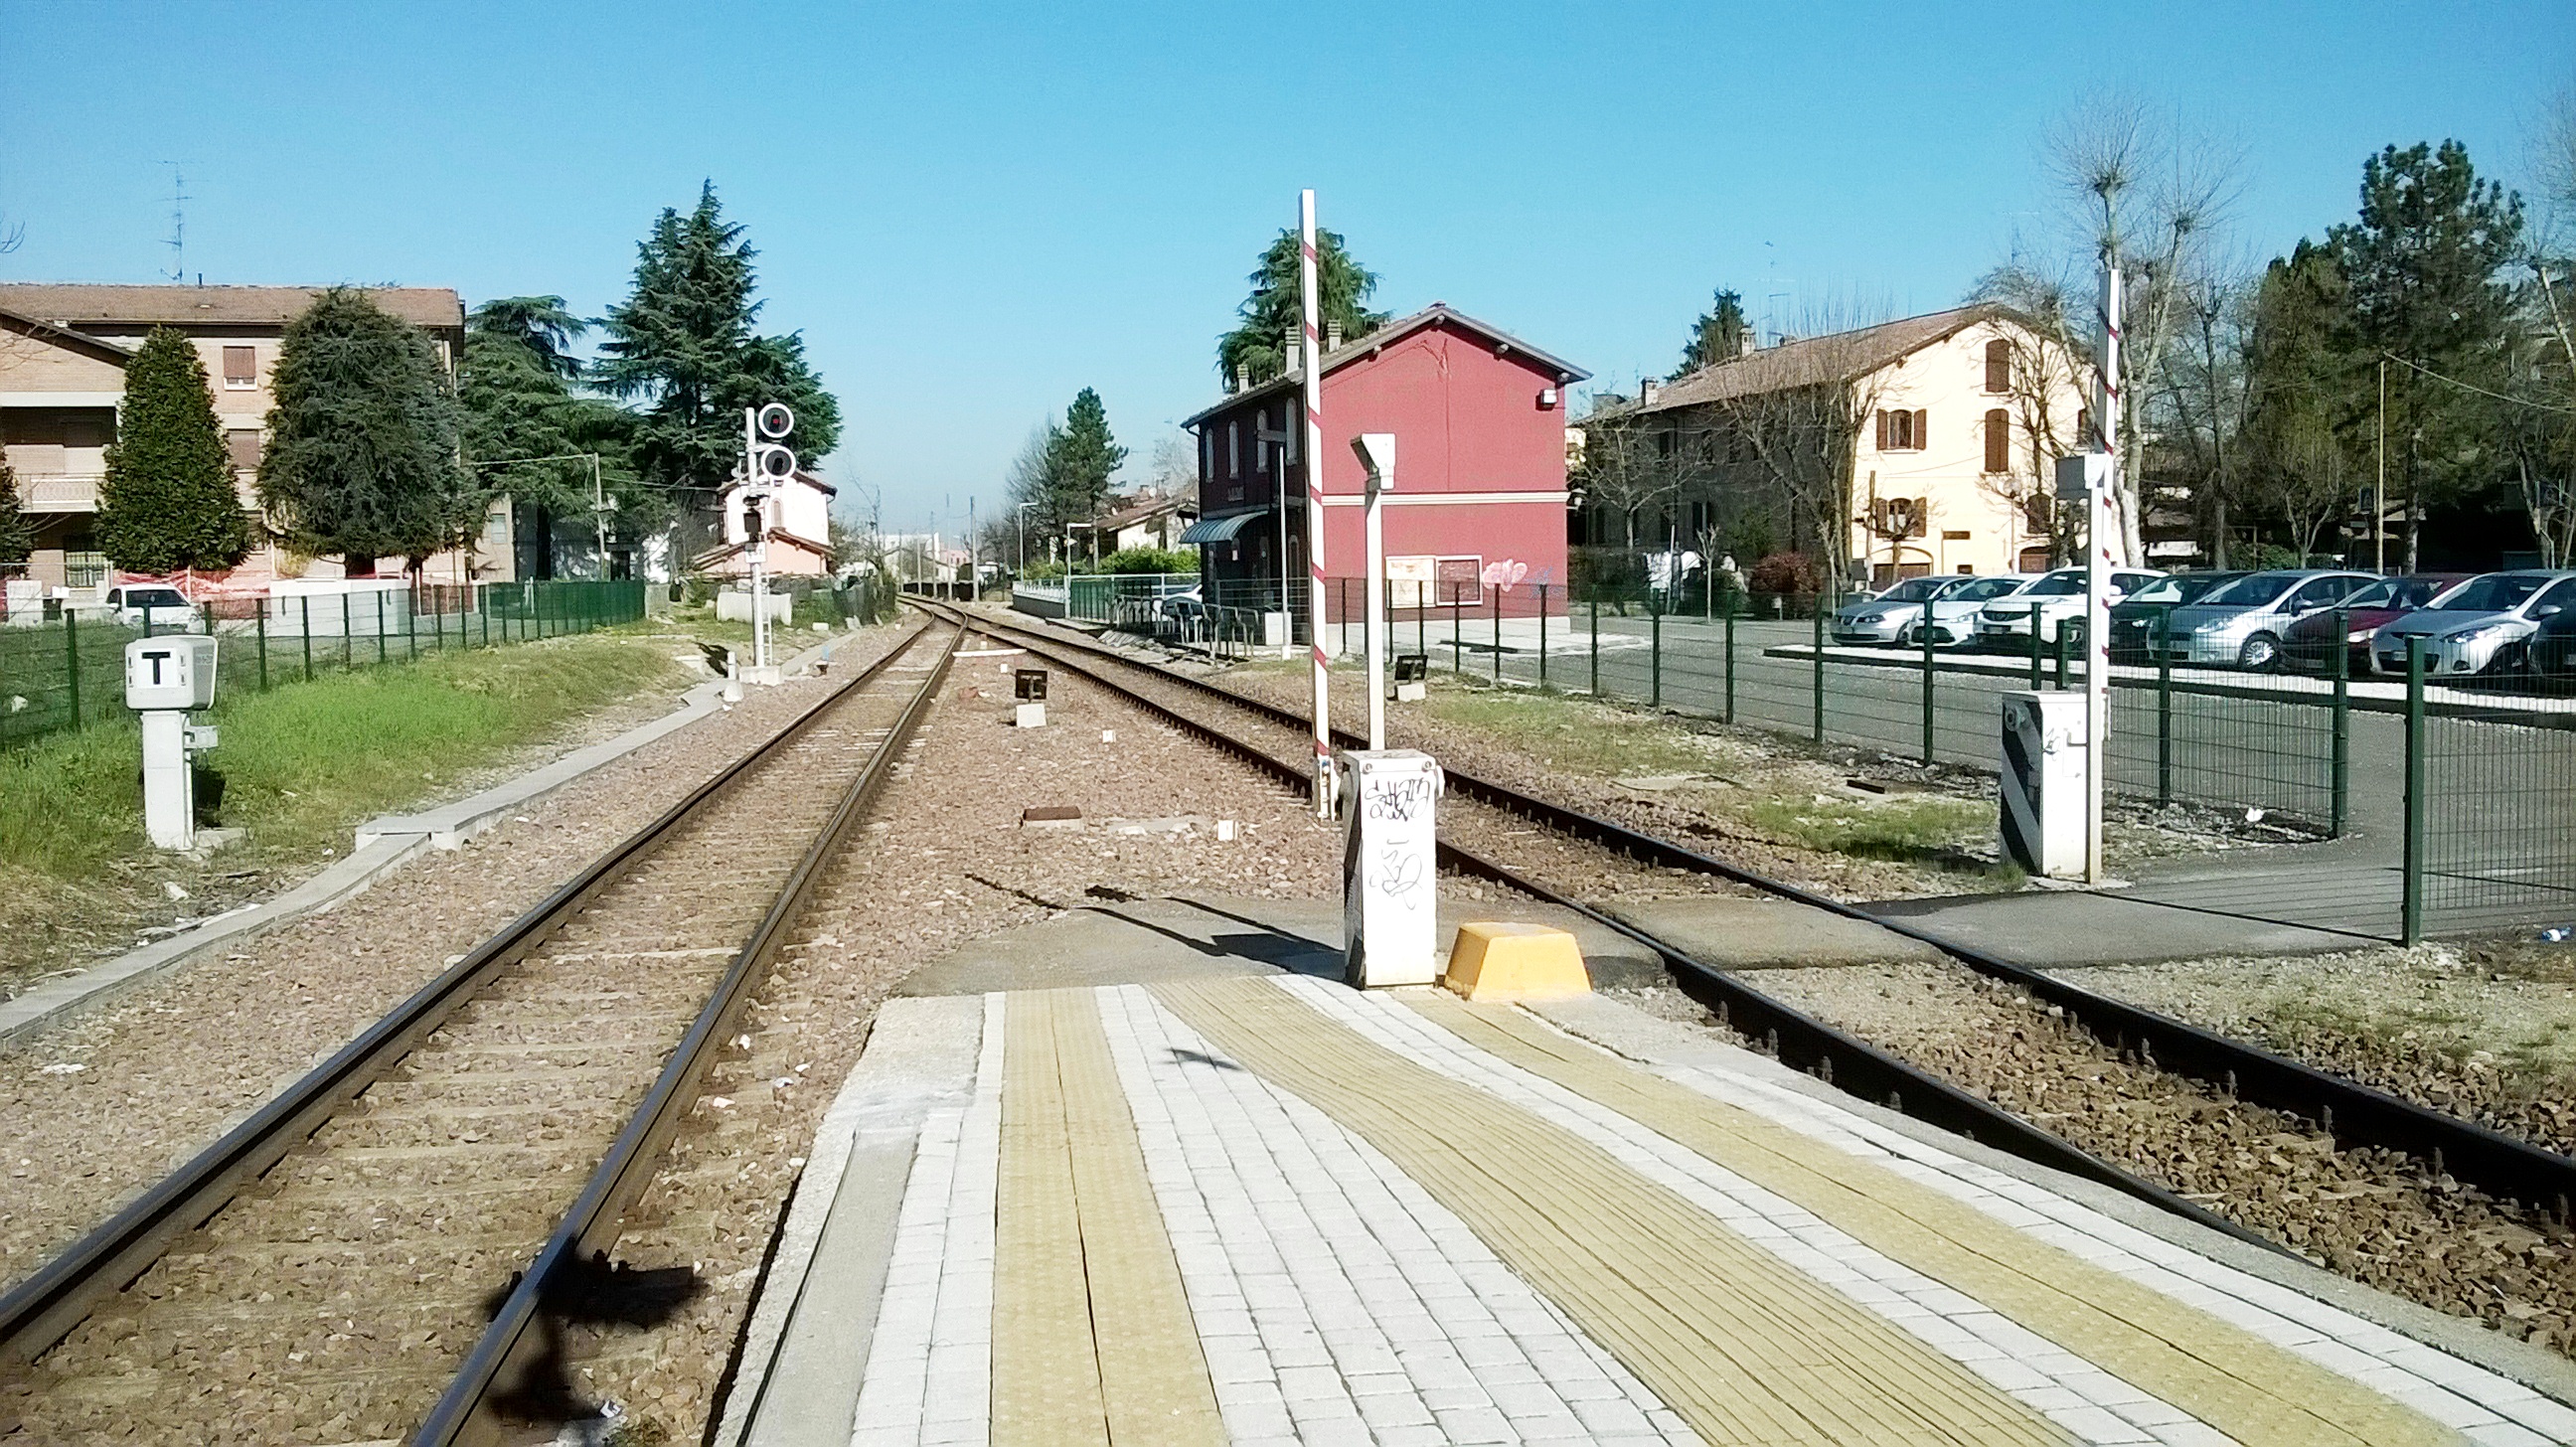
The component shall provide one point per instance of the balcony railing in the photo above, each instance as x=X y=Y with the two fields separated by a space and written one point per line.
x=58 y=492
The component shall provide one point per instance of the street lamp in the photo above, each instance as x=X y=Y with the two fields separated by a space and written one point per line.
x=1023 y=520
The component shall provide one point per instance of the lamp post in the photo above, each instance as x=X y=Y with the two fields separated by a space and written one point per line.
x=1377 y=454
x=1023 y=520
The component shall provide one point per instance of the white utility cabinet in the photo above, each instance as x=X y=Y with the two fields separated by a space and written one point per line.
x=1390 y=867
x=2042 y=782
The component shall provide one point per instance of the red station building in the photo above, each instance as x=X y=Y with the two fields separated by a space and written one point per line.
x=1479 y=500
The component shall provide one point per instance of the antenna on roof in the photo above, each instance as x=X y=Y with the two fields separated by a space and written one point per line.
x=178 y=242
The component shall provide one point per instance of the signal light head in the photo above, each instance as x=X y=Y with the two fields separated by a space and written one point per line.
x=776 y=420
x=776 y=464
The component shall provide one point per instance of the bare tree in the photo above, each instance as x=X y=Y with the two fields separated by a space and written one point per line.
x=2542 y=429
x=1633 y=462
x=2139 y=194
x=1799 y=435
x=2206 y=396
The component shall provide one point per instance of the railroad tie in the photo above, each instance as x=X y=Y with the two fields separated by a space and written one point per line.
x=2227 y=1376
x=1093 y=1341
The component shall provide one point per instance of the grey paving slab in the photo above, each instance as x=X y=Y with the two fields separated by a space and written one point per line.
x=1753 y=934
x=2080 y=927
x=818 y=1306
x=1188 y=936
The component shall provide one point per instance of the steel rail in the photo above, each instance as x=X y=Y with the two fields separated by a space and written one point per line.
x=44 y=1308
x=512 y=1350
x=2347 y=1110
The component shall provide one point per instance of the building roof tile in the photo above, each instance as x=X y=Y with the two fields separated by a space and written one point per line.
x=80 y=305
x=1806 y=362
x=1436 y=314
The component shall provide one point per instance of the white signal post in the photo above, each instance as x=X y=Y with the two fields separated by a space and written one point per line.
x=755 y=538
x=2102 y=533
x=1377 y=454
x=1310 y=375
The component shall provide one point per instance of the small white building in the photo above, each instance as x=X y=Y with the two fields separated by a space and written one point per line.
x=799 y=532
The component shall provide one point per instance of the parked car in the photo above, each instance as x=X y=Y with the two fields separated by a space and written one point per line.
x=131 y=605
x=1884 y=618
x=2551 y=651
x=2479 y=627
x=2133 y=619
x=2308 y=645
x=2241 y=622
x=1954 y=613
x=2047 y=605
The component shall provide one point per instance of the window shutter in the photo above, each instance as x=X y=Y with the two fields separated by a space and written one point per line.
x=1922 y=428
x=1922 y=516
x=1998 y=366
x=241 y=366
x=242 y=444
x=1882 y=429
x=1998 y=441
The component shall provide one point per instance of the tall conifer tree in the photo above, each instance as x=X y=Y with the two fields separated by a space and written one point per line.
x=1258 y=345
x=683 y=347
x=362 y=452
x=167 y=502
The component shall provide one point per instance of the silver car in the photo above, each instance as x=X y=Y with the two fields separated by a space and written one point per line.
x=2477 y=627
x=1954 y=613
x=1885 y=618
x=2048 y=605
x=2241 y=622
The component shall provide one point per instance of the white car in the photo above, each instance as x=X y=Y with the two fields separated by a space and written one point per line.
x=1954 y=613
x=2047 y=605
x=1886 y=617
x=164 y=608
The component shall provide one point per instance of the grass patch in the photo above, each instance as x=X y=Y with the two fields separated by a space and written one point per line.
x=1580 y=737
x=302 y=765
x=1920 y=829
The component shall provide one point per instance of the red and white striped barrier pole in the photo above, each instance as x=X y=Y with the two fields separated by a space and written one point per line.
x=1311 y=375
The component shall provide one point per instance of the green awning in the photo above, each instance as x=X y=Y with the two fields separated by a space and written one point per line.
x=1223 y=529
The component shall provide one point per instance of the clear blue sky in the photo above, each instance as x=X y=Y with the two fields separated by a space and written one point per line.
x=973 y=210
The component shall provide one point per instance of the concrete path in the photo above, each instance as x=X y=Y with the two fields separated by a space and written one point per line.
x=1228 y=1201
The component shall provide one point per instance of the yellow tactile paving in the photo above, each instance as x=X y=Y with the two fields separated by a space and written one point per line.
x=1092 y=1336
x=1747 y=1349
x=2226 y=1376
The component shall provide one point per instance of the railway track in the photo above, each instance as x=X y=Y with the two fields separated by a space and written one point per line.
x=2352 y=1114
x=391 y=1246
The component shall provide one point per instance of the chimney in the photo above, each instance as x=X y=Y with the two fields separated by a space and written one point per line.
x=1239 y=380
x=1647 y=388
x=1332 y=336
x=1744 y=342
x=1289 y=337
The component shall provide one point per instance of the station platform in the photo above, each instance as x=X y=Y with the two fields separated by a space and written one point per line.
x=1147 y=1174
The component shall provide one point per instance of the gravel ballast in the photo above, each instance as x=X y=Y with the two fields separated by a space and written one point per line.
x=120 y=1094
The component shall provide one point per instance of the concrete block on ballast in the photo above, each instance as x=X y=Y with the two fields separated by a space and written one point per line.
x=1029 y=715
x=1509 y=960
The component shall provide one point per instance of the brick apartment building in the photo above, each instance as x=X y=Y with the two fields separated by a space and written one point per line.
x=63 y=350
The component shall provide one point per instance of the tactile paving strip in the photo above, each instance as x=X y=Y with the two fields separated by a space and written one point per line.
x=2229 y=1378
x=1748 y=1350
x=1093 y=1341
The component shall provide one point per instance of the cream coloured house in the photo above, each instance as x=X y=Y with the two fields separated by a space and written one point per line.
x=1951 y=421
x=63 y=350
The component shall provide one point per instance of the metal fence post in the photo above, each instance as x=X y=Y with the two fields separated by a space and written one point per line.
x=2164 y=706
x=480 y=595
x=2035 y=679
x=1816 y=672
x=304 y=606
x=1457 y=632
x=1542 y=637
x=147 y=620
x=1655 y=616
x=71 y=659
x=2342 y=779
x=380 y=625
x=1927 y=682
x=411 y=624
x=1498 y=633
x=2410 y=909
x=260 y=626
x=1596 y=645
x=1730 y=656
